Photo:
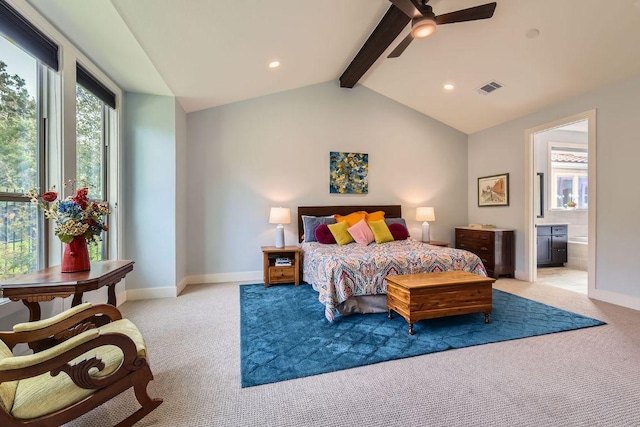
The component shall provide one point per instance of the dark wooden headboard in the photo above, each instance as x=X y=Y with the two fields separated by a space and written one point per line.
x=390 y=211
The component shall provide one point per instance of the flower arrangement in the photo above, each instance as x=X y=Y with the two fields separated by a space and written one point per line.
x=74 y=216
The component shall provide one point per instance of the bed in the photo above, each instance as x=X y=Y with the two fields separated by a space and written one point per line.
x=351 y=278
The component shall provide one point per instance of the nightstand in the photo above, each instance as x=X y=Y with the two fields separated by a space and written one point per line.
x=273 y=273
x=437 y=243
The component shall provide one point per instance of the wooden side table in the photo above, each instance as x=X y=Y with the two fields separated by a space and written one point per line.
x=50 y=283
x=438 y=243
x=273 y=273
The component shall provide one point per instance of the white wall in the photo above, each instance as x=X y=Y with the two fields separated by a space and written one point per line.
x=274 y=151
x=501 y=149
x=150 y=194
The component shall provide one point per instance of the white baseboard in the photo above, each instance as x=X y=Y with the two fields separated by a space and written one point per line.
x=121 y=297
x=151 y=293
x=183 y=284
x=615 y=298
x=138 y=294
x=243 y=276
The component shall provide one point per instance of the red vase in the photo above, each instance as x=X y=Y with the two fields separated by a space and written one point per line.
x=76 y=256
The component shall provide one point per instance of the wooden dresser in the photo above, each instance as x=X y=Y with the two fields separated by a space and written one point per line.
x=494 y=246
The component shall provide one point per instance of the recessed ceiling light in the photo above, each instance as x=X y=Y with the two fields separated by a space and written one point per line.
x=448 y=87
x=274 y=64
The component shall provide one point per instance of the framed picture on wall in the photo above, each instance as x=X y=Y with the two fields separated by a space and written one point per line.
x=348 y=173
x=493 y=190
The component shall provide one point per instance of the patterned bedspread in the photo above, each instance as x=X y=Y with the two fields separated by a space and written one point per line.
x=339 y=272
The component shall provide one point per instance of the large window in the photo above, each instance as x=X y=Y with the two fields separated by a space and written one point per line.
x=95 y=105
x=569 y=176
x=21 y=243
x=36 y=143
x=91 y=153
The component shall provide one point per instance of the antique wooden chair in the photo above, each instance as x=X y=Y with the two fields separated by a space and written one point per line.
x=85 y=356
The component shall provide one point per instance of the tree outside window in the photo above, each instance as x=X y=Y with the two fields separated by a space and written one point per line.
x=90 y=152
x=20 y=226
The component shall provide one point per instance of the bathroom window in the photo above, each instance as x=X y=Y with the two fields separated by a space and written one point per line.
x=569 y=177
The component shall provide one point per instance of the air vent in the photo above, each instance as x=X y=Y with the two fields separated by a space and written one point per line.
x=487 y=88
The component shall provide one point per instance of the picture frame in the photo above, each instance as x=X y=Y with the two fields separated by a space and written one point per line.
x=493 y=190
x=348 y=173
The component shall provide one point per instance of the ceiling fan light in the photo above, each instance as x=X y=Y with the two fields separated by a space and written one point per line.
x=422 y=27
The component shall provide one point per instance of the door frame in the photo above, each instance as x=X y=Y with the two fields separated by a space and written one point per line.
x=530 y=273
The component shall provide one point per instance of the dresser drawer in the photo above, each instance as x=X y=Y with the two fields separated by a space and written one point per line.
x=479 y=235
x=474 y=241
x=281 y=274
x=485 y=255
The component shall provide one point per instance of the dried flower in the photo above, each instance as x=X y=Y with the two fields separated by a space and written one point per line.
x=75 y=216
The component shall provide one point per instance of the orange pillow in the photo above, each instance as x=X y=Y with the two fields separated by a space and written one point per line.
x=375 y=216
x=351 y=219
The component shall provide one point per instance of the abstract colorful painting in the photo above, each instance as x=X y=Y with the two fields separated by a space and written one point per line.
x=348 y=173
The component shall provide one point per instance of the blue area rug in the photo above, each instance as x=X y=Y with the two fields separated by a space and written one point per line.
x=284 y=333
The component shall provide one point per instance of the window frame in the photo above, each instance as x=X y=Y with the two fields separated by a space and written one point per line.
x=574 y=170
x=42 y=244
x=106 y=98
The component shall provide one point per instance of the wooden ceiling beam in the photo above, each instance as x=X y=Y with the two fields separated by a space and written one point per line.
x=389 y=28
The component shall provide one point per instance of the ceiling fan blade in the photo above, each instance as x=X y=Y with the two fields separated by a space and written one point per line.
x=472 y=14
x=389 y=28
x=408 y=7
x=401 y=47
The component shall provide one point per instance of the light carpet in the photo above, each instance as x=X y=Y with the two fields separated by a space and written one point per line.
x=587 y=377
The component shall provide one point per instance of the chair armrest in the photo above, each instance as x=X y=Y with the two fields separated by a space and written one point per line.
x=22 y=362
x=62 y=326
x=58 y=359
x=39 y=324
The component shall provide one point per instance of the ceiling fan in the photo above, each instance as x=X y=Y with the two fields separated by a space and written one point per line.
x=423 y=24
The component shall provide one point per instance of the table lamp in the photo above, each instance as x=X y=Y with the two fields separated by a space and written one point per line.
x=425 y=214
x=280 y=216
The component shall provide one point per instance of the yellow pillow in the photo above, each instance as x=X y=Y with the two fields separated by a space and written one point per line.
x=351 y=219
x=380 y=231
x=375 y=216
x=340 y=231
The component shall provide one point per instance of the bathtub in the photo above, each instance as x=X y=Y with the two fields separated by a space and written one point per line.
x=578 y=253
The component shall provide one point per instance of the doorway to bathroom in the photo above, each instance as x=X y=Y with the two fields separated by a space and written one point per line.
x=560 y=231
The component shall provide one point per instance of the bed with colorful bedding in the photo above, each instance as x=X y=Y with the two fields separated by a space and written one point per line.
x=350 y=278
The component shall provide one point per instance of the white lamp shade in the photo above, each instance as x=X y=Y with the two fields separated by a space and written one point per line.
x=280 y=216
x=425 y=214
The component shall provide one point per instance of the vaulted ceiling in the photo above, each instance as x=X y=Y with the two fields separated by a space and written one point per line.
x=213 y=52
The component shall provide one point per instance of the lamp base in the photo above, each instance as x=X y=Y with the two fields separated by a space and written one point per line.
x=280 y=236
x=425 y=232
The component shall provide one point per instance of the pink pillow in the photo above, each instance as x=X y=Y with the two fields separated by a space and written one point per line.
x=323 y=235
x=399 y=231
x=361 y=233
